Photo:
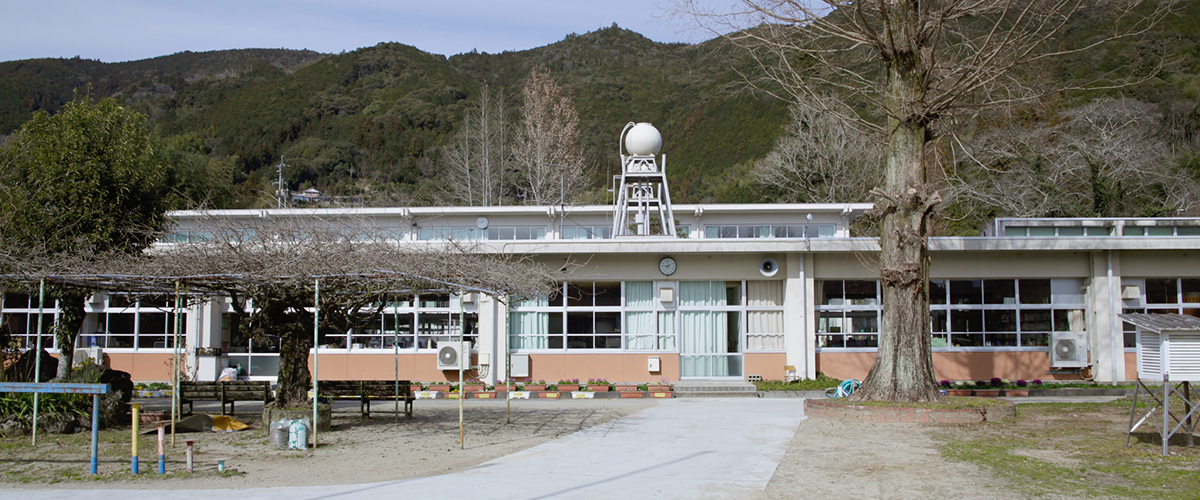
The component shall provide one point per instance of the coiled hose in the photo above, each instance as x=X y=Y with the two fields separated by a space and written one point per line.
x=843 y=389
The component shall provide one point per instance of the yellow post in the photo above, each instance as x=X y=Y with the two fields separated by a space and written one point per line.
x=134 y=464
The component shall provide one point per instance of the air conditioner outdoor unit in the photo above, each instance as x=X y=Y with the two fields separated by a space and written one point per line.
x=449 y=356
x=1068 y=350
x=95 y=354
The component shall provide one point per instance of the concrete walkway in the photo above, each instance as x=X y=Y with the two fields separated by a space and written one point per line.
x=679 y=448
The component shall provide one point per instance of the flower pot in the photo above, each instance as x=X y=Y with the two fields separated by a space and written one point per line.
x=626 y=387
x=598 y=387
x=1016 y=392
x=414 y=388
x=535 y=388
x=549 y=395
x=568 y=387
x=505 y=387
x=439 y=387
x=958 y=392
x=473 y=387
x=987 y=393
x=485 y=394
x=451 y=395
x=631 y=394
x=659 y=388
x=583 y=395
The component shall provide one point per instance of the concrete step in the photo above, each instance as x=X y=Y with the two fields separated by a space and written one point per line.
x=715 y=389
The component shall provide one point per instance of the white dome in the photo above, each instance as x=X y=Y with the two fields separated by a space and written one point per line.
x=643 y=140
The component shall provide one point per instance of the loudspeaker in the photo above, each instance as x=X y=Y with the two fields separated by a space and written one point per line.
x=768 y=267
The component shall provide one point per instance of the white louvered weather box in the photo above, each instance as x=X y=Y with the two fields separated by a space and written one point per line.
x=1168 y=346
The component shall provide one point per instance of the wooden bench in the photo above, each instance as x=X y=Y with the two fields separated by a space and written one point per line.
x=225 y=392
x=367 y=390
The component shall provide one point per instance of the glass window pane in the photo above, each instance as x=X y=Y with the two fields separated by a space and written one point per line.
x=1041 y=231
x=863 y=321
x=579 y=322
x=608 y=293
x=1001 y=339
x=1015 y=232
x=1160 y=231
x=966 y=339
x=1035 y=291
x=1035 y=321
x=831 y=293
x=1099 y=231
x=1035 y=339
x=1187 y=231
x=1070 y=231
x=829 y=322
x=1000 y=321
x=639 y=294
x=608 y=322
x=831 y=341
x=1068 y=291
x=939 y=321
x=1160 y=291
x=861 y=293
x=579 y=294
x=1069 y=320
x=937 y=291
x=999 y=292
x=733 y=293
x=966 y=291
x=862 y=341
x=826 y=231
x=966 y=320
x=712 y=232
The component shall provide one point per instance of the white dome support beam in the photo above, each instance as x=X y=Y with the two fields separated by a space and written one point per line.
x=642 y=194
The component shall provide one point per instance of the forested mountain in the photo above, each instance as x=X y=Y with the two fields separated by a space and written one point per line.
x=372 y=123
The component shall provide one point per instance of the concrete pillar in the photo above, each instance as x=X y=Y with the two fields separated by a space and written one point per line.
x=795 y=317
x=1105 y=333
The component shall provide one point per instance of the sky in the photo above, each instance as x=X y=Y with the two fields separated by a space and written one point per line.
x=124 y=30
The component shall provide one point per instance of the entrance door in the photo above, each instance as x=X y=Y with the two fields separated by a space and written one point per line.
x=710 y=340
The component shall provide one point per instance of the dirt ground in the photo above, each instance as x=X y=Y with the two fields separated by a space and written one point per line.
x=355 y=451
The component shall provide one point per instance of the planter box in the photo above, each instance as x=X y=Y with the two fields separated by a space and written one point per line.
x=568 y=387
x=1016 y=392
x=631 y=394
x=987 y=393
x=439 y=387
x=535 y=388
x=451 y=395
x=518 y=394
x=505 y=387
x=549 y=395
x=627 y=387
x=425 y=394
x=599 y=388
x=473 y=387
x=582 y=395
x=958 y=392
x=659 y=388
x=414 y=388
x=662 y=394
x=485 y=395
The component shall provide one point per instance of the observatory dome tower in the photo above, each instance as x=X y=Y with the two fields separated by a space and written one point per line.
x=643 y=202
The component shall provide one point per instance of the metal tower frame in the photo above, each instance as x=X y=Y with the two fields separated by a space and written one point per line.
x=642 y=193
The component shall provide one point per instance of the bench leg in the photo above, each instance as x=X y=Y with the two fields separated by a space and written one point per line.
x=408 y=404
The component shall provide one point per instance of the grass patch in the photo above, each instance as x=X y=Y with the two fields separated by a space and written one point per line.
x=949 y=403
x=1076 y=449
x=809 y=384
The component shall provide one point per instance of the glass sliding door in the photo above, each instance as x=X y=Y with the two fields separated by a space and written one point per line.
x=710 y=333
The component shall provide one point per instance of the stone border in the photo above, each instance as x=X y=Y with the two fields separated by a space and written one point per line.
x=823 y=409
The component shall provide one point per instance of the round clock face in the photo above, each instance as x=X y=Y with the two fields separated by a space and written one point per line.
x=481 y=223
x=667 y=266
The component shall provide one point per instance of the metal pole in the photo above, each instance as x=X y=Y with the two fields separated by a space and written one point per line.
x=316 y=350
x=162 y=457
x=37 y=364
x=133 y=464
x=396 y=353
x=175 y=353
x=507 y=364
x=95 y=430
x=462 y=386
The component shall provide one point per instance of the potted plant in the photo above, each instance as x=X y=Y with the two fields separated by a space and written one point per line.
x=504 y=386
x=631 y=387
x=488 y=392
x=535 y=386
x=1021 y=390
x=439 y=386
x=415 y=386
x=473 y=385
x=985 y=389
x=631 y=391
x=960 y=388
x=551 y=392
x=599 y=385
x=568 y=385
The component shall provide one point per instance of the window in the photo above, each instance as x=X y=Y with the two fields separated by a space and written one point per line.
x=764 y=315
x=848 y=313
x=474 y=233
x=645 y=328
x=1004 y=312
x=129 y=322
x=587 y=232
x=771 y=231
x=1159 y=295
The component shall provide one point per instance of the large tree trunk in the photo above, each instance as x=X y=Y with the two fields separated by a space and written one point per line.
x=903 y=369
x=294 y=377
x=70 y=322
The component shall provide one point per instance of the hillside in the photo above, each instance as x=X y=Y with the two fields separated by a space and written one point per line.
x=371 y=122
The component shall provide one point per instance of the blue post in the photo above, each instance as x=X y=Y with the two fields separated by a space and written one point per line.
x=95 y=429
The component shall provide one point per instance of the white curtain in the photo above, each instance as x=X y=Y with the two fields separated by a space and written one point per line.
x=764 y=293
x=529 y=330
x=666 y=330
x=639 y=294
x=703 y=332
x=639 y=330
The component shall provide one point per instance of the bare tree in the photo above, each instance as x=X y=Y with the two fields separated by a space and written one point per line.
x=475 y=159
x=820 y=159
x=1107 y=158
x=546 y=151
x=906 y=64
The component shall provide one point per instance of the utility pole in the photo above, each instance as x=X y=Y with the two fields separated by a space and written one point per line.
x=281 y=189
